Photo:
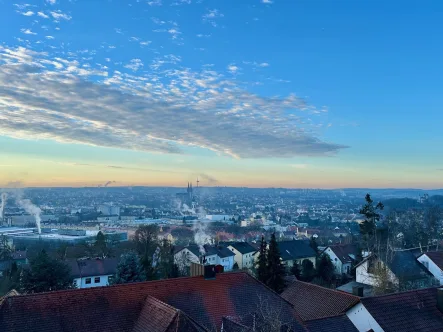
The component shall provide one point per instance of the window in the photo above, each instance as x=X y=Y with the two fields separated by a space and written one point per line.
x=87 y=281
x=96 y=280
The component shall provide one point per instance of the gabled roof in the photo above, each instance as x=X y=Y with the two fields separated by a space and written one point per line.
x=295 y=249
x=92 y=267
x=331 y=324
x=436 y=257
x=193 y=248
x=407 y=311
x=12 y=292
x=260 y=321
x=117 y=308
x=242 y=247
x=344 y=252
x=225 y=252
x=157 y=316
x=314 y=302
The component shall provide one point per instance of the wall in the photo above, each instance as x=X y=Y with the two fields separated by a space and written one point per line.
x=362 y=319
x=366 y=278
x=338 y=268
x=184 y=257
x=81 y=282
x=245 y=261
x=227 y=262
x=432 y=267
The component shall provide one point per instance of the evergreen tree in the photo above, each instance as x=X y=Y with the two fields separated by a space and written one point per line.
x=295 y=270
x=313 y=244
x=276 y=269
x=46 y=274
x=235 y=266
x=129 y=269
x=325 y=268
x=101 y=246
x=369 y=225
x=262 y=269
x=146 y=240
x=308 y=270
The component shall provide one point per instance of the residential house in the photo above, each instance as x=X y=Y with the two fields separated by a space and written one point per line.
x=17 y=257
x=184 y=256
x=342 y=256
x=89 y=273
x=189 y=304
x=433 y=262
x=403 y=271
x=213 y=255
x=219 y=255
x=296 y=251
x=244 y=254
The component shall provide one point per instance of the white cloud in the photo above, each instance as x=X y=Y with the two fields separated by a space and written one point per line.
x=300 y=166
x=28 y=13
x=145 y=43
x=49 y=37
x=57 y=99
x=27 y=32
x=264 y=64
x=212 y=16
x=233 y=68
x=134 y=64
x=155 y=3
x=200 y=35
x=41 y=14
x=59 y=15
x=119 y=31
x=266 y=1
x=51 y=2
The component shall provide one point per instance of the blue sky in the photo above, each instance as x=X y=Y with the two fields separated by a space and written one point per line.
x=239 y=93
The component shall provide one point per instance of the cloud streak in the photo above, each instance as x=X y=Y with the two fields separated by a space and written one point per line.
x=163 y=110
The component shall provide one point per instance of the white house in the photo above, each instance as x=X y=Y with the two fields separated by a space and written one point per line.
x=433 y=262
x=89 y=273
x=362 y=319
x=212 y=256
x=244 y=254
x=342 y=256
x=184 y=256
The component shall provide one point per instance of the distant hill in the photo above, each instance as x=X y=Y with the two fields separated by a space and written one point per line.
x=402 y=204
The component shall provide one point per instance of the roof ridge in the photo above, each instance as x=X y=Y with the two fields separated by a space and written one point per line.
x=327 y=317
x=403 y=292
x=328 y=289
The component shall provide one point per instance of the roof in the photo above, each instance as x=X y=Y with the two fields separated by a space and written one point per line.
x=436 y=257
x=117 y=308
x=344 y=252
x=242 y=247
x=347 y=288
x=193 y=248
x=259 y=321
x=12 y=292
x=295 y=249
x=157 y=316
x=407 y=311
x=331 y=324
x=314 y=302
x=92 y=267
x=225 y=252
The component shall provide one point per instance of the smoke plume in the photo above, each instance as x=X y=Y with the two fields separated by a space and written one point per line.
x=33 y=210
x=108 y=183
x=201 y=237
x=2 y=206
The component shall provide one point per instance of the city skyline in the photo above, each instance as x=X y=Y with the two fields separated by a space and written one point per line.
x=303 y=94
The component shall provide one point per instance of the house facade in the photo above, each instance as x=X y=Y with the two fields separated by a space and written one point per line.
x=433 y=262
x=88 y=273
x=244 y=254
x=342 y=257
x=213 y=255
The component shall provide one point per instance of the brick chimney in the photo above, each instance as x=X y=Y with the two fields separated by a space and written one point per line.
x=440 y=299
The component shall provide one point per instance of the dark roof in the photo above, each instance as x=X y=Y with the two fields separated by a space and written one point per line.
x=157 y=316
x=92 y=267
x=243 y=247
x=407 y=311
x=295 y=249
x=117 y=308
x=259 y=321
x=344 y=252
x=225 y=252
x=367 y=289
x=193 y=248
x=331 y=324
x=436 y=257
x=313 y=301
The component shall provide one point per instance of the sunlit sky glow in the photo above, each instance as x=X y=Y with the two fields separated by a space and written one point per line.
x=306 y=93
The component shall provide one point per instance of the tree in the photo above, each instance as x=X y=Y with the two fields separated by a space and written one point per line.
x=295 y=270
x=101 y=246
x=46 y=274
x=313 y=244
x=5 y=249
x=166 y=266
x=262 y=269
x=325 y=268
x=146 y=240
x=10 y=279
x=235 y=266
x=369 y=226
x=275 y=267
x=308 y=270
x=129 y=269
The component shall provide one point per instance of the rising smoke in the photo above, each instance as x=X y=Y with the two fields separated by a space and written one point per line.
x=2 y=206
x=33 y=210
x=201 y=237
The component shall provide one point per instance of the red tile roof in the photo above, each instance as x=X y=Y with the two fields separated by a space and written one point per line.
x=314 y=302
x=117 y=308
x=406 y=311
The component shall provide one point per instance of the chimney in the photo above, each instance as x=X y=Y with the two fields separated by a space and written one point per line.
x=440 y=299
x=357 y=291
x=209 y=272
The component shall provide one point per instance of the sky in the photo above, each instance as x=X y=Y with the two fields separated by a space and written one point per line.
x=257 y=93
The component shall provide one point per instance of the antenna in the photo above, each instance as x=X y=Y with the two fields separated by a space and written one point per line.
x=198 y=181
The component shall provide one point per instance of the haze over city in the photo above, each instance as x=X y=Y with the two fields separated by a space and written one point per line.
x=328 y=94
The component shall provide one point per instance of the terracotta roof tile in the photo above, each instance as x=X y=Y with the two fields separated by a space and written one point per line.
x=314 y=302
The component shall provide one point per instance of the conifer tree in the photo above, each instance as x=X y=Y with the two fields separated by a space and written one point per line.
x=262 y=269
x=275 y=267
